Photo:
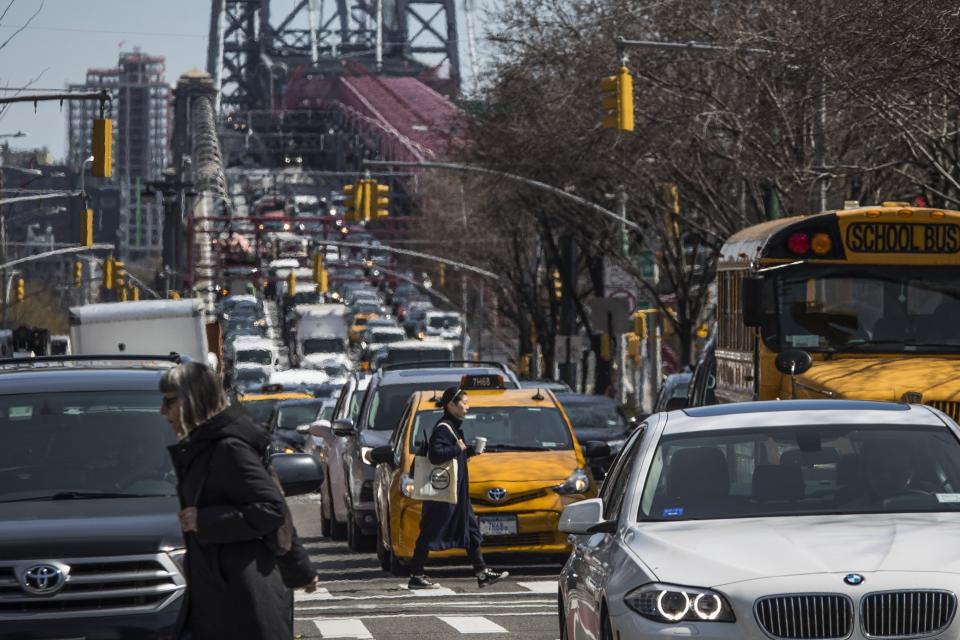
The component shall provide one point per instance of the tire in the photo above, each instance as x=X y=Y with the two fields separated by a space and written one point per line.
x=326 y=524
x=352 y=533
x=383 y=554
x=397 y=568
x=338 y=530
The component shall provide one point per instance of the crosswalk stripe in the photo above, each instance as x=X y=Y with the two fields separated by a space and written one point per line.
x=319 y=594
x=543 y=586
x=348 y=628
x=472 y=624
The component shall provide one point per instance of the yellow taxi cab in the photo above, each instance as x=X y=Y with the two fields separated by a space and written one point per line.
x=531 y=469
x=358 y=325
x=259 y=404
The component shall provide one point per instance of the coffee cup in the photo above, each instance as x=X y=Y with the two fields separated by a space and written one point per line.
x=479 y=444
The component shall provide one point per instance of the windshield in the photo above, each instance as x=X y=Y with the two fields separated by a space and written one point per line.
x=306 y=297
x=322 y=345
x=803 y=470
x=257 y=356
x=505 y=428
x=593 y=416
x=250 y=375
x=884 y=309
x=259 y=410
x=403 y=356
x=385 y=337
x=293 y=416
x=444 y=322
x=326 y=413
x=82 y=444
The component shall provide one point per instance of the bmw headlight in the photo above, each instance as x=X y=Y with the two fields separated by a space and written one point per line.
x=406 y=485
x=578 y=482
x=669 y=604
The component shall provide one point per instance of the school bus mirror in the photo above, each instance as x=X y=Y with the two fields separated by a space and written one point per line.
x=753 y=300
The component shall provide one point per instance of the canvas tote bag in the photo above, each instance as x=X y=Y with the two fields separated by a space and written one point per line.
x=434 y=481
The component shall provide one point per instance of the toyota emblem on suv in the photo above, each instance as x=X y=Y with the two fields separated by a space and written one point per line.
x=497 y=494
x=43 y=579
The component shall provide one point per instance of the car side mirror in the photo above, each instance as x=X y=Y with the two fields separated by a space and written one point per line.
x=344 y=428
x=299 y=473
x=382 y=455
x=303 y=428
x=753 y=300
x=596 y=449
x=581 y=517
x=319 y=427
x=793 y=362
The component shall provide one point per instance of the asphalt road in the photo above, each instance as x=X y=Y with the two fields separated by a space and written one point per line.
x=358 y=600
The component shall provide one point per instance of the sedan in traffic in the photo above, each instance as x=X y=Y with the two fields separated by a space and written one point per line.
x=786 y=519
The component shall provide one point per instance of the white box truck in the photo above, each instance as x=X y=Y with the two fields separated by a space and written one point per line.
x=148 y=327
x=321 y=330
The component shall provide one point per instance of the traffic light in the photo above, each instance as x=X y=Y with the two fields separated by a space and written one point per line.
x=354 y=200
x=108 y=272
x=291 y=284
x=174 y=295
x=135 y=293
x=640 y=324
x=606 y=347
x=21 y=291
x=380 y=193
x=86 y=227
x=616 y=100
x=120 y=280
x=102 y=148
x=557 y=284
x=78 y=273
x=320 y=273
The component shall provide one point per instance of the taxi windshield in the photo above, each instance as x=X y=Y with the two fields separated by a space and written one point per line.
x=881 y=309
x=79 y=445
x=294 y=415
x=260 y=410
x=505 y=428
x=805 y=470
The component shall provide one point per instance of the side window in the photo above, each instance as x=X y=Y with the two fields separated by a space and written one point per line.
x=612 y=490
x=398 y=435
x=338 y=410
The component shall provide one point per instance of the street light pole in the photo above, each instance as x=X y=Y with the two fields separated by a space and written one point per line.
x=82 y=171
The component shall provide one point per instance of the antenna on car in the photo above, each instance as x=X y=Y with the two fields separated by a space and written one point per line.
x=538 y=395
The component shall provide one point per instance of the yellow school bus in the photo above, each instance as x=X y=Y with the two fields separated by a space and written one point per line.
x=860 y=303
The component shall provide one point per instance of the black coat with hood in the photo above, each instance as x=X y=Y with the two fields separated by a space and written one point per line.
x=233 y=584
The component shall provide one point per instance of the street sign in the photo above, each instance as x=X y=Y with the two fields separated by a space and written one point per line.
x=610 y=315
x=568 y=348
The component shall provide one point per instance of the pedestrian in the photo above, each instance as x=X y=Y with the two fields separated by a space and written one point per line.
x=444 y=525
x=229 y=504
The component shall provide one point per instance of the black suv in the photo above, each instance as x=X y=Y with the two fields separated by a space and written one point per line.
x=383 y=404
x=90 y=545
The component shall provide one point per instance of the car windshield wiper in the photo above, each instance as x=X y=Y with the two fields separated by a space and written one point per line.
x=515 y=447
x=88 y=495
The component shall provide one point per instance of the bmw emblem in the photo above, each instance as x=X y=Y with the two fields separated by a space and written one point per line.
x=854 y=579
x=497 y=494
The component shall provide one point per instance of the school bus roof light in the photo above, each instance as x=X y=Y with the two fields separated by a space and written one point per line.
x=821 y=244
x=894 y=203
x=937 y=214
x=798 y=243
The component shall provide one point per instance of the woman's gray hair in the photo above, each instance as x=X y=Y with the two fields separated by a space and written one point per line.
x=199 y=390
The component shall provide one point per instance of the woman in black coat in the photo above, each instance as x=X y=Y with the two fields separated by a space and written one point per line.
x=444 y=525
x=230 y=502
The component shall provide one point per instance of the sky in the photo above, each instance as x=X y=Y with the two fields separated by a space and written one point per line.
x=69 y=36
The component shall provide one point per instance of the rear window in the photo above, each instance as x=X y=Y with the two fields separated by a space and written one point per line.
x=84 y=443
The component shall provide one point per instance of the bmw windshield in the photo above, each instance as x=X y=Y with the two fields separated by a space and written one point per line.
x=804 y=470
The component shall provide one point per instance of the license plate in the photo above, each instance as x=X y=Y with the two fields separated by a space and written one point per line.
x=498 y=525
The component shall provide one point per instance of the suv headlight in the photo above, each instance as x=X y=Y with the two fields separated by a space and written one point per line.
x=578 y=482
x=669 y=604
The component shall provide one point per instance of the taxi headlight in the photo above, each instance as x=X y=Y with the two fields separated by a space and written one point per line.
x=578 y=482
x=406 y=485
x=669 y=604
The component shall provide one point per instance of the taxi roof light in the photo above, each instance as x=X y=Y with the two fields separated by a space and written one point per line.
x=479 y=382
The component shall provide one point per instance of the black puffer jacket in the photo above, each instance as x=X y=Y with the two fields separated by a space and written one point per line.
x=234 y=586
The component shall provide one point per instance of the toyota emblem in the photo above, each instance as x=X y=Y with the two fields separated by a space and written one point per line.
x=43 y=579
x=497 y=494
x=854 y=579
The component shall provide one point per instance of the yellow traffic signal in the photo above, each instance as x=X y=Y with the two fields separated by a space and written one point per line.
x=324 y=283
x=320 y=276
x=135 y=293
x=102 y=148
x=108 y=272
x=354 y=200
x=640 y=324
x=291 y=284
x=381 y=194
x=557 y=284
x=78 y=273
x=86 y=227
x=119 y=275
x=606 y=347
x=21 y=291
x=366 y=205
x=633 y=345
x=174 y=295
x=617 y=101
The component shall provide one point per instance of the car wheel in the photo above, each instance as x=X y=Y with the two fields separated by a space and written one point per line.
x=352 y=532
x=383 y=553
x=326 y=523
x=397 y=568
x=606 y=632
x=338 y=530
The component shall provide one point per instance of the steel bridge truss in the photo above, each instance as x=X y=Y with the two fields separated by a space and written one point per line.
x=251 y=50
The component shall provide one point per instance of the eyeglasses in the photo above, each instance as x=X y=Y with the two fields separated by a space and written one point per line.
x=168 y=401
